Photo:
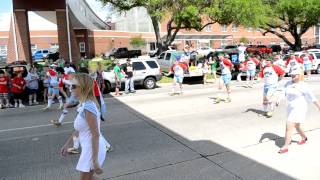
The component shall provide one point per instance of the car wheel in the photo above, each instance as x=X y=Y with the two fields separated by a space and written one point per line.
x=149 y=83
x=107 y=89
x=318 y=70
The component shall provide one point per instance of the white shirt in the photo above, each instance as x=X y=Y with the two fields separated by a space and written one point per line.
x=297 y=93
x=242 y=50
x=270 y=76
x=67 y=70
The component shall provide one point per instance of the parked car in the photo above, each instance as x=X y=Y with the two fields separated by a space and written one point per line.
x=275 y=48
x=167 y=59
x=204 y=51
x=230 y=49
x=259 y=49
x=40 y=54
x=123 y=52
x=313 y=50
x=147 y=73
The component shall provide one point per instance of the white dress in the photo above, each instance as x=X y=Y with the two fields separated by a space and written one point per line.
x=85 y=163
x=296 y=95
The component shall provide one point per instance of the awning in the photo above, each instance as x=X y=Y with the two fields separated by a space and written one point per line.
x=200 y=37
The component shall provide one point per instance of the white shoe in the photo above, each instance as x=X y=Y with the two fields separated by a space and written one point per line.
x=21 y=106
x=1 y=106
x=7 y=105
x=61 y=106
x=15 y=105
x=46 y=108
x=30 y=103
x=35 y=102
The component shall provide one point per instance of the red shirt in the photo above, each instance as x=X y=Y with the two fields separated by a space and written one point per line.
x=297 y=59
x=96 y=89
x=20 y=82
x=62 y=78
x=182 y=65
x=4 y=87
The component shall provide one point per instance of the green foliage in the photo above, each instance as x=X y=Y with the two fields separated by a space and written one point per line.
x=244 y=40
x=137 y=42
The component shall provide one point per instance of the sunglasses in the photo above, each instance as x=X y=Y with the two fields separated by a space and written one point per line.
x=74 y=86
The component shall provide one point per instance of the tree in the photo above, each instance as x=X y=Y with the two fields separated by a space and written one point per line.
x=244 y=40
x=291 y=16
x=137 y=42
x=193 y=14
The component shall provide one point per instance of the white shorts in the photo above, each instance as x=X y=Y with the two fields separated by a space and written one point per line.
x=85 y=163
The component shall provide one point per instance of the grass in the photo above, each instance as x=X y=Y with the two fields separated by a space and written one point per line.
x=166 y=79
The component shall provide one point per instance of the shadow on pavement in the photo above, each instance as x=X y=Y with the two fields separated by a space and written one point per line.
x=257 y=111
x=143 y=150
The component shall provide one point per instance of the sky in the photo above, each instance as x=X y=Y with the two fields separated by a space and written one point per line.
x=38 y=23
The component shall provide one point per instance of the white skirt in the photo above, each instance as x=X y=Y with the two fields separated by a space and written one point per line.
x=297 y=114
x=85 y=163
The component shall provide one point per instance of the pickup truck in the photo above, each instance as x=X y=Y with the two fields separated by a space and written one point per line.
x=258 y=49
x=167 y=59
x=123 y=52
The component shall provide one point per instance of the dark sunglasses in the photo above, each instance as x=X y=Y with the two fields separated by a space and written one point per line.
x=74 y=86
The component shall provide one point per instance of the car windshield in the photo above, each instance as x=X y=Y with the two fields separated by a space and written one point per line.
x=230 y=47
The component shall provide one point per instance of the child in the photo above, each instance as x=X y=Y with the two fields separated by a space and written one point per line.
x=32 y=85
x=53 y=90
x=205 y=70
x=18 y=86
x=4 y=100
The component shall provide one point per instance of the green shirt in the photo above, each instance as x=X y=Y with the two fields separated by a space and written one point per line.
x=117 y=71
x=214 y=65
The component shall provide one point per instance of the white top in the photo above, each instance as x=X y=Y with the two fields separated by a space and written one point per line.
x=178 y=70
x=297 y=93
x=67 y=70
x=242 y=50
x=270 y=76
x=251 y=65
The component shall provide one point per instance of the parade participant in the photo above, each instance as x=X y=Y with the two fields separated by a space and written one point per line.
x=213 y=63
x=251 y=66
x=4 y=90
x=242 y=70
x=279 y=62
x=18 y=87
x=53 y=90
x=87 y=124
x=32 y=85
x=241 y=50
x=307 y=64
x=177 y=69
x=296 y=93
x=205 y=70
x=118 y=73
x=294 y=60
x=271 y=74
x=226 y=66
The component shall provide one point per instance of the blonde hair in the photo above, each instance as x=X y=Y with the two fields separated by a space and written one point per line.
x=86 y=85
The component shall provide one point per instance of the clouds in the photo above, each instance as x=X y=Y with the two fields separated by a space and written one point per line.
x=5 y=18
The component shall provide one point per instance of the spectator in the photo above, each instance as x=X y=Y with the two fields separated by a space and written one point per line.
x=32 y=81
x=213 y=63
x=118 y=76
x=241 y=50
x=18 y=87
x=68 y=69
x=205 y=70
x=4 y=89
x=99 y=77
x=129 y=72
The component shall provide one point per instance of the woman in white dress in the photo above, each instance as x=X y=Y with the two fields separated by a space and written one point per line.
x=87 y=123
x=296 y=93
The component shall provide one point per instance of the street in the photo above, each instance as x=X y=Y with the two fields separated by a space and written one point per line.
x=160 y=137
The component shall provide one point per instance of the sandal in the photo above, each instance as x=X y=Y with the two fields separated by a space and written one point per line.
x=303 y=141
x=283 y=150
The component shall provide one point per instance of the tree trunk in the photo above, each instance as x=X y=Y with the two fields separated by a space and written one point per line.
x=159 y=43
x=297 y=43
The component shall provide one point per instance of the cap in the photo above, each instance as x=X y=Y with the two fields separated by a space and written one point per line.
x=51 y=72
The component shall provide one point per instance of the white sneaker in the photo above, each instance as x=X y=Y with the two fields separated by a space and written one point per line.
x=30 y=103
x=15 y=105
x=21 y=106
x=1 y=106
x=61 y=106
x=7 y=105
x=35 y=102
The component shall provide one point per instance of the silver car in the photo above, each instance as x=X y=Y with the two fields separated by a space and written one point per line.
x=147 y=72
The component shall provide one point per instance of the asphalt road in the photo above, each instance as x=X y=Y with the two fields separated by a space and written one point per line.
x=160 y=137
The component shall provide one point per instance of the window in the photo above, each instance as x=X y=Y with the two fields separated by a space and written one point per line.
x=223 y=43
x=249 y=29
x=161 y=56
x=54 y=47
x=234 y=28
x=82 y=47
x=33 y=47
x=152 y=46
x=168 y=57
x=208 y=28
x=138 y=66
x=45 y=51
x=3 y=50
x=152 y=64
x=317 y=55
x=224 y=28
